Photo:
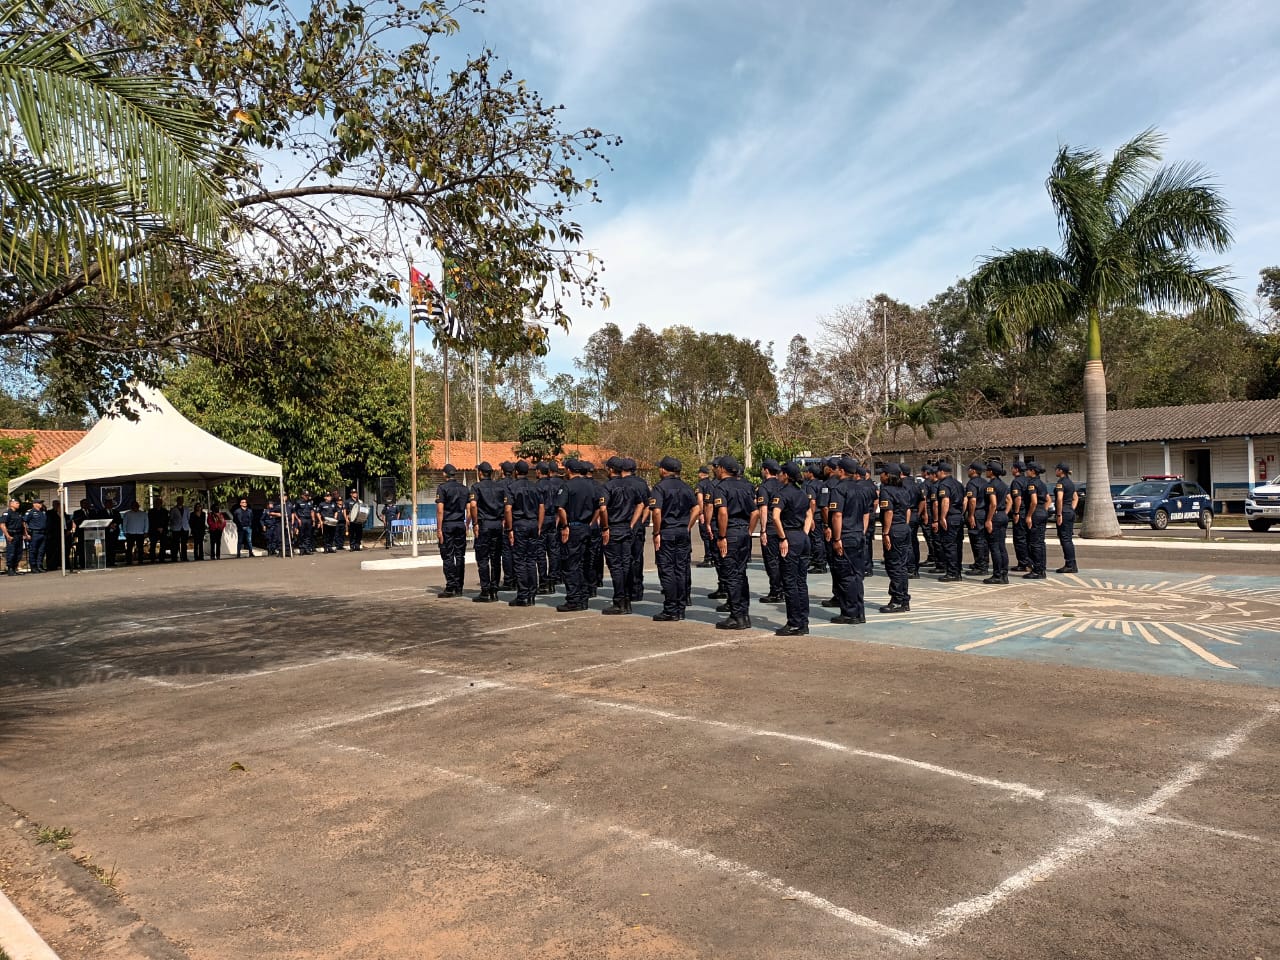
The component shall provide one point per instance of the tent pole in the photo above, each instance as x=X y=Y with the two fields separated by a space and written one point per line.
x=62 y=540
x=286 y=542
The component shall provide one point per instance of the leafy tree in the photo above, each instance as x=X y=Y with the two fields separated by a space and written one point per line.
x=921 y=415
x=1128 y=237
x=542 y=431
x=798 y=376
x=14 y=458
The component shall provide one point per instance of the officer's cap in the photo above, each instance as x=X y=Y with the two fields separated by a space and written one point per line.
x=1019 y=465
x=833 y=461
x=521 y=467
x=328 y=495
x=449 y=471
x=586 y=466
x=772 y=466
x=814 y=469
x=628 y=463
x=792 y=470
x=944 y=466
x=506 y=466
x=39 y=500
x=571 y=465
x=847 y=464
x=1033 y=465
x=731 y=465
x=485 y=467
x=976 y=465
x=544 y=468
x=996 y=467
x=891 y=470
x=670 y=464
x=929 y=468
x=1064 y=467
x=614 y=462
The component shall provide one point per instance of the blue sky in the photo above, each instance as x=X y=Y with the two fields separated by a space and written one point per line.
x=783 y=159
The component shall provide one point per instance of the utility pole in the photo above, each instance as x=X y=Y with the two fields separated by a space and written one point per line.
x=413 y=432
x=475 y=378
x=884 y=336
x=746 y=440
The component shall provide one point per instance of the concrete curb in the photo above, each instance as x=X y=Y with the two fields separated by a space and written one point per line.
x=1198 y=543
x=18 y=937
x=419 y=562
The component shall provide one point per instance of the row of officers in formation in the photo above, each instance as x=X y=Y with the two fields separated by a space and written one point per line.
x=535 y=529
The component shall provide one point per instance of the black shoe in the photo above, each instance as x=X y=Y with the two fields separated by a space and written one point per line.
x=449 y=592
x=914 y=576
x=831 y=602
x=571 y=608
x=733 y=623
x=718 y=595
x=616 y=611
x=722 y=608
x=1035 y=576
x=949 y=579
x=1071 y=569
x=486 y=596
x=896 y=608
x=707 y=563
x=791 y=632
x=1020 y=568
x=667 y=617
x=507 y=586
x=773 y=598
x=842 y=619
x=994 y=579
x=547 y=590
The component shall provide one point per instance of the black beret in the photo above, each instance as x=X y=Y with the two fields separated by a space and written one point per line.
x=977 y=465
x=771 y=465
x=485 y=467
x=833 y=461
x=670 y=464
x=704 y=469
x=791 y=469
x=731 y=465
x=614 y=462
x=847 y=464
x=521 y=467
x=544 y=467
x=906 y=470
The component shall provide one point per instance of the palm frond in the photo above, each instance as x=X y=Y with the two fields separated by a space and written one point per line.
x=1022 y=290
x=1172 y=281
x=1125 y=178
x=1179 y=209
x=1075 y=191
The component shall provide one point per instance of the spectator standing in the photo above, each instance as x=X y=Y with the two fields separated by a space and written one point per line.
x=158 y=529
x=135 y=523
x=217 y=523
x=179 y=530
x=199 y=524
x=243 y=516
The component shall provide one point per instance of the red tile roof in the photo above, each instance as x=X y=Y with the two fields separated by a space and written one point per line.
x=48 y=443
x=463 y=453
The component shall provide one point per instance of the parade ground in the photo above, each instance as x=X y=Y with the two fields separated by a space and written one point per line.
x=296 y=758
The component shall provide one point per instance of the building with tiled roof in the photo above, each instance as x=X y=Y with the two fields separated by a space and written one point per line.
x=1227 y=448
x=462 y=453
x=47 y=444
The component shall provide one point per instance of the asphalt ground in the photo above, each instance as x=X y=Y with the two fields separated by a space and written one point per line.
x=268 y=758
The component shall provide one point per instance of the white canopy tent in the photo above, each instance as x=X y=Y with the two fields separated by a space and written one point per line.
x=160 y=446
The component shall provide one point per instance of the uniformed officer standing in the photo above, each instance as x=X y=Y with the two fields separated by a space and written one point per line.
x=451 y=529
x=822 y=510
x=673 y=506
x=623 y=509
x=1066 y=499
x=718 y=475
x=704 y=491
x=488 y=508
x=869 y=485
x=975 y=514
x=581 y=505
x=304 y=525
x=735 y=505
x=508 y=551
x=549 y=552
x=1036 y=506
x=933 y=558
x=849 y=510
x=996 y=525
x=813 y=484
x=896 y=503
x=950 y=522
x=15 y=540
x=766 y=493
x=36 y=523
x=328 y=511
x=791 y=513
x=594 y=562
x=524 y=516
x=915 y=486
x=355 y=531
x=1018 y=493
x=272 y=517
x=637 y=542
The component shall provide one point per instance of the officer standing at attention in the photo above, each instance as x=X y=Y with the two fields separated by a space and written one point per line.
x=581 y=506
x=673 y=506
x=594 y=562
x=996 y=495
x=637 y=541
x=934 y=557
x=488 y=508
x=508 y=551
x=896 y=503
x=525 y=513
x=791 y=514
x=355 y=531
x=735 y=505
x=1065 y=500
x=816 y=487
x=975 y=514
x=451 y=528
x=704 y=492
x=36 y=523
x=766 y=493
x=14 y=536
x=1018 y=493
x=849 y=510
x=1036 y=506
x=328 y=511
x=271 y=520
x=863 y=475
x=549 y=551
x=303 y=519
x=720 y=593
x=623 y=509
x=950 y=522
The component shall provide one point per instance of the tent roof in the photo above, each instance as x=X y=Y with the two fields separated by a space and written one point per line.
x=161 y=445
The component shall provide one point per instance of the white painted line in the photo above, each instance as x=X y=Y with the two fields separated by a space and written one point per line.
x=702 y=858
x=18 y=937
x=400 y=707
x=664 y=653
x=231 y=677
x=522 y=626
x=952 y=918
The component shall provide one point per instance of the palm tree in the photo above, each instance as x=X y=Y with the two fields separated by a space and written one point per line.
x=920 y=415
x=1129 y=229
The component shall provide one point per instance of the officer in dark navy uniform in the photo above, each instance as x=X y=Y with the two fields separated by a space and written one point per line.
x=704 y=491
x=975 y=515
x=488 y=508
x=996 y=495
x=791 y=514
x=735 y=505
x=1018 y=518
x=1036 y=508
x=896 y=504
x=508 y=551
x=451 y=529
x=328 y=511
x=914 y=485
x=36 y=522
x=594 y=562
x=524 y=517
x=623 y=509
x=950 y=522
x=1066 y=500
x=815 y=486
x=581 y=506
x=674 y=509
x=549 y=552
x=765 y=495
x=15 y=541
x=849 y=510
x=864 y=477
x=933 y=559
x=711 y=514
x=629 y=467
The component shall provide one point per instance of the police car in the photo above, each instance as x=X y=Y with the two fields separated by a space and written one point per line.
x=1162 y=500
x=1262 y=507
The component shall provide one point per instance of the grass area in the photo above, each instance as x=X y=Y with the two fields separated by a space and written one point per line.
x=57 y=837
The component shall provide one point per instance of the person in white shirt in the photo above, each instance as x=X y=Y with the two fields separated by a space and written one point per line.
x=135 y=531
x=179 y=530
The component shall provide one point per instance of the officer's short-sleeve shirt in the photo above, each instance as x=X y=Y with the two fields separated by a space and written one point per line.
x=673 y=497
x=738 y=500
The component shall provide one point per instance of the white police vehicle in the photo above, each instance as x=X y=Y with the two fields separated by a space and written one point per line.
x=1162 y=500
x=1262 y=507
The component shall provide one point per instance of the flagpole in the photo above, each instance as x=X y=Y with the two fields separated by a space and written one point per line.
x=413 y=430
x=475 y=378
x=448 y=424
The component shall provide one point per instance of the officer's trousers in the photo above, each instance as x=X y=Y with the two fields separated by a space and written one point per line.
x=355 y=536
x=1035 y=541
x=551 y=548
x=931 y=542
x=1067 y=537
x=573 y=557
x=540 y=557
x=733 y=573
x=978 y=541
x=913 y=541
x=13 y=551
x=952 y=538
x=332 y=539
x=35 y=551
x=673 y=570
x=897 y=563
x=637 y=563
x=524 y=556
x=489 y=555
x=848 y=569
x=595 y=555
x=795 y=578
x=453 y=553
x=772 y=562
x=996 y=546
x=709 y=551
x=867 y=569
x=273 y=539
x=508 y=564
x=1020 y=551
x=618 y=554
x=817 y=548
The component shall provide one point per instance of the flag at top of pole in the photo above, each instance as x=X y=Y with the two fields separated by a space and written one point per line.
x=420 y=296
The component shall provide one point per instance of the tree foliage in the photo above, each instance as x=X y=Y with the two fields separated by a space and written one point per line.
x=542 y=431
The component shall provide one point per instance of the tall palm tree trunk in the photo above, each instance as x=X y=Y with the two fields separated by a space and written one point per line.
x=1100 y=518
